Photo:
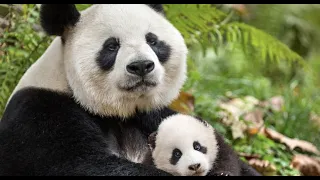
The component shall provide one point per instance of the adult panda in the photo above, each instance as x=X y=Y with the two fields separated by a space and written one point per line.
x=107 y=78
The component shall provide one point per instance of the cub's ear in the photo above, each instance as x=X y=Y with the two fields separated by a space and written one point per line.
x=152 y=140
x=202 y=120
x=55 y=18
x=157 y=7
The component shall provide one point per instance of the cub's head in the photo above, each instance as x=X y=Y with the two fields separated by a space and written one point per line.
x=119 y=58
x=184 y=146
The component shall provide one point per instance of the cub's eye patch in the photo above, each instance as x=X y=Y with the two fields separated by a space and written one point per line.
x=198 y=147
x=176 y=155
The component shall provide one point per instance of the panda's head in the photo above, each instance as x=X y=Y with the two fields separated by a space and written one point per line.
x=119 y=58
x=184 y=146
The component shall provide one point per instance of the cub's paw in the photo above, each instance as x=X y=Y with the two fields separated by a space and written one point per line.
x=221 y=173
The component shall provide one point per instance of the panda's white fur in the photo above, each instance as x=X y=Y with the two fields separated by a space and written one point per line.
x=181 y=131
x=47 y=72
x=97 y=90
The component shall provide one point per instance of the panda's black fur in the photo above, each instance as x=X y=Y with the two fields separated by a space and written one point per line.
x=228 y=162
x=65 y=139
x=157 y=7
x=45 y=132
x=55 y=22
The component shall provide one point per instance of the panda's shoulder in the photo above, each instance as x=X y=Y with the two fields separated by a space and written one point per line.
x=33 y=113
x=36 y=103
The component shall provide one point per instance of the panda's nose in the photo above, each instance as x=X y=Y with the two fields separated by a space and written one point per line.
x=194 y=167
x=140 y=68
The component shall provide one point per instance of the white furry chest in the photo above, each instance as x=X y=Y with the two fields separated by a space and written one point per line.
x=136 y=156
x=131 y=145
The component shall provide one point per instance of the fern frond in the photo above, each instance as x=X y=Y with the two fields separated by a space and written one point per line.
x=207 y=25
x=264 y=45
x=192 y=18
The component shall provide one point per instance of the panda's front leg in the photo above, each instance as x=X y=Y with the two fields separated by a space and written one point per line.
x=43 y=133
x=121 y=167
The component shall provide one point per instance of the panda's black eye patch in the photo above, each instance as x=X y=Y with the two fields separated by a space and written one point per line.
x=112 y=44
x=113 y=47
x=160 y=48
x=176 y=155
x=151 y=39
x=107 y=55
x=198 y=147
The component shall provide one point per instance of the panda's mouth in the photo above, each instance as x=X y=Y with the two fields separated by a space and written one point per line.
x=199 y=173
x=142 y=85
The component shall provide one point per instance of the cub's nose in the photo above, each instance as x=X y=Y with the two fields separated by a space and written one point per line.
x=140 y=68
x=194 y=167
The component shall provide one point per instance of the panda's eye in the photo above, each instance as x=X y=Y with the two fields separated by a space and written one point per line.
x=177 y=153
x=152 y=42
x=112 y=44
x=196 y=146
x=151 y=39
x=113 y=47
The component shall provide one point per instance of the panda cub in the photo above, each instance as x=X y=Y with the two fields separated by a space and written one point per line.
x=188 y=146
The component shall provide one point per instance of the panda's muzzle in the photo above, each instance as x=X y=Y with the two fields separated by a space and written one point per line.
x=141 y=78
x=140 y=68
x=143 y=85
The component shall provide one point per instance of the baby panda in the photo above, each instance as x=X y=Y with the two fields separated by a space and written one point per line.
x=188 y=146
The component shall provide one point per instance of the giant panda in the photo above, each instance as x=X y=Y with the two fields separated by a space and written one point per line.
x=106 y=79
x=187 y=146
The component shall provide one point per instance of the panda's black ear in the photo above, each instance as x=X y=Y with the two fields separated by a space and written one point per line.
x=202 y=120
x=157 y=7
x=55 y=18
x=152 y=140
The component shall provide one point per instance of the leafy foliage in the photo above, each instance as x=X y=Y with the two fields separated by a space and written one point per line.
x=211 y=27
x=274 y=153
x=21 y=45
x=228 y=56
x=203 y=23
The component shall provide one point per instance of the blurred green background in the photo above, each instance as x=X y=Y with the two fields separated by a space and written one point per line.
x=235 y=51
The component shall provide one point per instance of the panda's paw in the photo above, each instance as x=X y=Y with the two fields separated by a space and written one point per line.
x=221 y=173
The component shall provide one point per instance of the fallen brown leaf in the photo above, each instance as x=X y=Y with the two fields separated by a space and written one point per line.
x=263 y=166
x=254 y=131
x=275 y=103
x=238 y=128
x=255 y=118
x=184 y=103
x=308 y=166
x=291 y=143
x=234 y=106
x=233 y=109
x=238 y=106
